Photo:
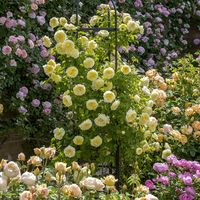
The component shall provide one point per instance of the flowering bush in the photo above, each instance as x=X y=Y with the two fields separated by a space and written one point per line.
x=176 y=179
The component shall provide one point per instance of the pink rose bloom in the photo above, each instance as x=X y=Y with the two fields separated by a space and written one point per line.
x=12 y=39
x=31 y=44
x=24 y=54
x=2 y=20
x=21 y=38
x=34 y=6
x=13 y=63
x=6 y=50
x=10 y=23
x=40 y=2
x=18 y=52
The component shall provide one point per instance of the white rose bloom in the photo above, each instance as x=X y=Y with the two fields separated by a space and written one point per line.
x=150 y=103
x=85 y=125
x=88 y=63
x=103 y=33
x=28 y=178
x=73 y=19
x=93 y=21
x=92 y=45
x=96 y=141
x=147 y=110
x=108 y=73
x=92 y=183
x=69 y=151
x=150 y=197
x=72 y=72
x=137 y=98
x=146 y=91
x=167 y=128
x=92 y=75
x=60 y=36
x=78 y=140
x=84 y=40
x=131 y=116
x=75 y=191
x=79 y=90
x=133 y=26
x=97 y=84
x=91 y=104
x=3 y=182
x=152 y=124
x=144 y=81
x=115 y=105
x=154 y=94
x=125 y=69
x=26 y=195
x=59 y=133
x=102 y=120
x=109 y=96
x=67 y=100
x=11 y=169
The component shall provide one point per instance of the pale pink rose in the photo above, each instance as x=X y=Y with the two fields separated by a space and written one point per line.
x=75 y=191
x=92 y=183
x=31 y=44
x=40 y=2
x=21 y=38
x=2 y=20
x=6 y=50
x=12 y=39
x=10 y=23
x=26 y=195
x=21 y=22
x=34 y=6
x=18 y=52
x=24 y=54
x=13 y=63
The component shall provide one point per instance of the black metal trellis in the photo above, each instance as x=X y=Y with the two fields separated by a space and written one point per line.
x=110 y=29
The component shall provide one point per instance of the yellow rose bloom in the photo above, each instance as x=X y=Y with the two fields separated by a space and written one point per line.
x=59 y=133
x=84 y=40
x=108 y=73
x=54 y=22
x=97 y=84
x=72 y=72
x=1 y=108
x=183 y=139
x=67 y=100
x=132 y=26
x=79 y=90
x=60 y=36
x=56 y=78
x=91 y=104
x=69 y=27
x=74 y=53
x=69 y=151
x=96 y=141
x=131 y=116
x=122 y=27
x=102 y=120
x=63 y=21
x=73 y=19
x=125 y=69
x=51 y=62
x=103 y=33
x=139 y=151
x=109 y=97
x=78 y=140
x=92 y=75
x=86 y=125
x=110 y=180
x=48 y=69
x=47 y=41
x=144 y=119
x=115 y=105
x=88 y=63
x=126 y=19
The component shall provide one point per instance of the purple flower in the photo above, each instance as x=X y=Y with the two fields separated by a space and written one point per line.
x=24 y=90
x=163 y=51
x=164 y=180
x=187 y=180
x=121 y=1
x=150 y=62
x=41 y=20
x=196 y=41
x=150 y=184
x=35 y=69
x=46 y=86
x=22 y=109
x=35 y=103
x=190 y=190
x=44 y=53
x=46 y=104
x=160 y=167
x=141 y=50
x=138 y=4
x=47 y=111
x=20 y=95
x=171 y=174
x=186 y=197
x=32 y=15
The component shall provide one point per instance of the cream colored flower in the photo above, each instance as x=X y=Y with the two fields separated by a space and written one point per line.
x=78 y=140
x=72 y=72
x=74 y=191
x=108 y=73
x=131 y=116
x=115 y=105
x=125 y=69
x=144 y=119
x=152 y=124
x=1 y=108
x=139 y=151
x=92 y=45
x=92 y=75
x=187 y=130
x=26 y=195
x=28 y=178
x=91 y=104
x=175 y=110
x=54 y=22
x=86 y=125
x=126 y=19
x=59 y=133
x=67 y=100
x=137 y=98
x=147 y=110
x=46 y=41
x=102 y=120
x=69 y=151
x=88 y=63
x=94 y=20
x=48 y=69
x=70 y=27
x=60 y=167
x=96 y=141
x=103 y=33
x=11 y=169
x=62 y=21
x=56 y=78
x=97 y=84
x=84 y=40
x=109 y=97
x=74 y=53
x=92 y=183
x=166 y=153
x=109 y=181
x=60 y=36
x=3 y=182
x=65 y=47
x=133 y=26
x=73 y=19
x=79 y=90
